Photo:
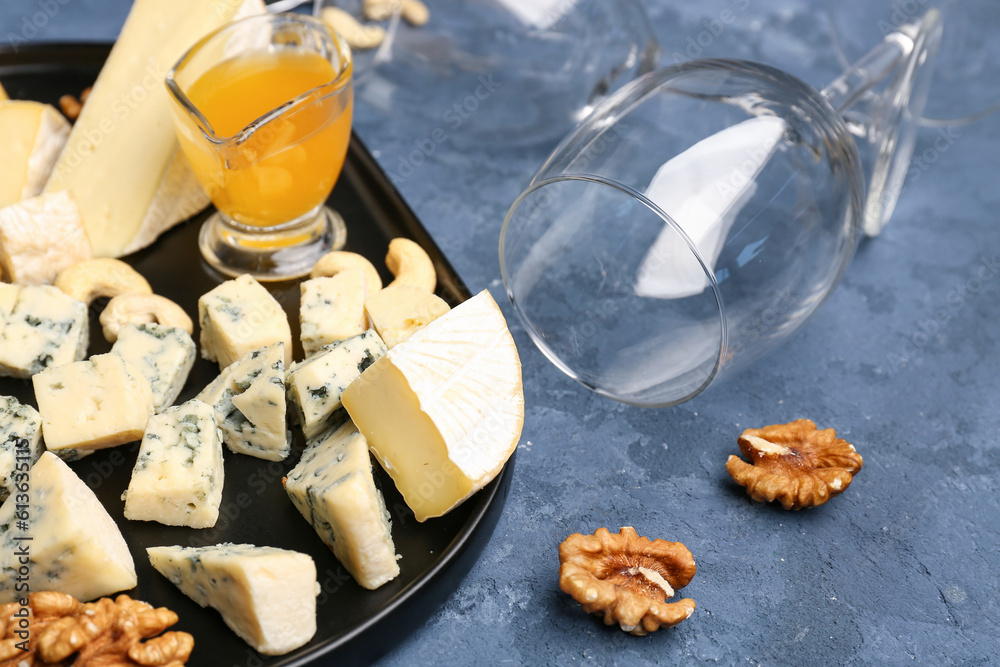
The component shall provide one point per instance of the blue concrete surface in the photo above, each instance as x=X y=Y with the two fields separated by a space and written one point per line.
x=901 y=569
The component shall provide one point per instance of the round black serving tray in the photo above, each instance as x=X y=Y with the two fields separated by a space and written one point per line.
x=354 y=625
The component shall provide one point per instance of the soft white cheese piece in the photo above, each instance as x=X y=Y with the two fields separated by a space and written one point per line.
x=249 y=401
x=163 y=355
x=20 y=440
x=238 y=317
x=75 y=546
x=333 y=487
x=331 y=309
x=121 y=160
x=32 y=134
x=315 y=385
x=443 y=410
x=46 y=328
x=92 y=404
x=41 y=236
x=178 y=475
x=399 y=311
x=266 y=595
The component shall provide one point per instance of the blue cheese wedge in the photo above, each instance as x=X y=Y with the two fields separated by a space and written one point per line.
x=331 y=309
x=178 y=475
x=163 y=355
x=45 y=329
x=93 y=404
x=71 y=543
x=249 y=401
x=266 y=595
x=334 y=489
x=315 y=385
x=238 y=317
x=20 y=440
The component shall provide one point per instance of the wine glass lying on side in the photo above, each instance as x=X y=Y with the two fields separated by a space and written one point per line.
x=703 y=212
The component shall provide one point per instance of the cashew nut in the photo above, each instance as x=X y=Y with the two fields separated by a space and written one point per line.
x=410 y=265
x=415 y=12
x=336 y=261
x=381 y=10
x=93 y=278
x=356 y=35
x=142 y=309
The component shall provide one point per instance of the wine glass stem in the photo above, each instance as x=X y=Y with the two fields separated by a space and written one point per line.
x=873 y=68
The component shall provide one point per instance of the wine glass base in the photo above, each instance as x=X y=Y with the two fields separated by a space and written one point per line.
x=270 y=256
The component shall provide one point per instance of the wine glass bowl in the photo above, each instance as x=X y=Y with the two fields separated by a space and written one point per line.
x=510 y=72
x=694 y=220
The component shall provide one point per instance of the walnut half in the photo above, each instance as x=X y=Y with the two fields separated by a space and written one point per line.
x=627 y=579
x=795 y=464
x=103 y=633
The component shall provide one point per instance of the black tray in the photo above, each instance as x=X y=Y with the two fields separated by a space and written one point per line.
x=354 y=625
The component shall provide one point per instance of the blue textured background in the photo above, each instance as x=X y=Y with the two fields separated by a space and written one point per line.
x=901 y=568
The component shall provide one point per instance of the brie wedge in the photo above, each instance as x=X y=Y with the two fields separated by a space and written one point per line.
x=41 y=236
x=442 y=411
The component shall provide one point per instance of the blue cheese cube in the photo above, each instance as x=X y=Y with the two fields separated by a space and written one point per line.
x=93 y=404
x=163 y=355
x=266 y=595
x=315 y=385
x=20 y=440
x=331 y=309
x=178 y=475
x=44 y=329
x=238 y=317
x=249 y=401
x=334 y=489
x=73 y=543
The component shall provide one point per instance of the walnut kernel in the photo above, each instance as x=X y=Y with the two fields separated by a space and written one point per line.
x=102 y=633
x=795 y=464
x=627 y=579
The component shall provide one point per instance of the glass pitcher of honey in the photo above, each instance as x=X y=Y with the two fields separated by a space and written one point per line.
x=262 y=109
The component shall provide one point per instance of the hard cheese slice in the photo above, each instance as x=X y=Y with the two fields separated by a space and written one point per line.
x=45 y=329
x=178 y=475
x=333 y=487
x=20 y=441
x=93 y=404
x=74 y=545
x=32 y=135
x=163 y=355
x=266 y=595
x=41 y=236
x=443 y=410
x=238 y=317
x=120 y=162
x=315 y=385
x=249 y=401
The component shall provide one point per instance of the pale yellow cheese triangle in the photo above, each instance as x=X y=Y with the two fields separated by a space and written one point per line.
x=121 y=151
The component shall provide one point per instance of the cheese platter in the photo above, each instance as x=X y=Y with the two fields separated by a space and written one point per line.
x=353 y=624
